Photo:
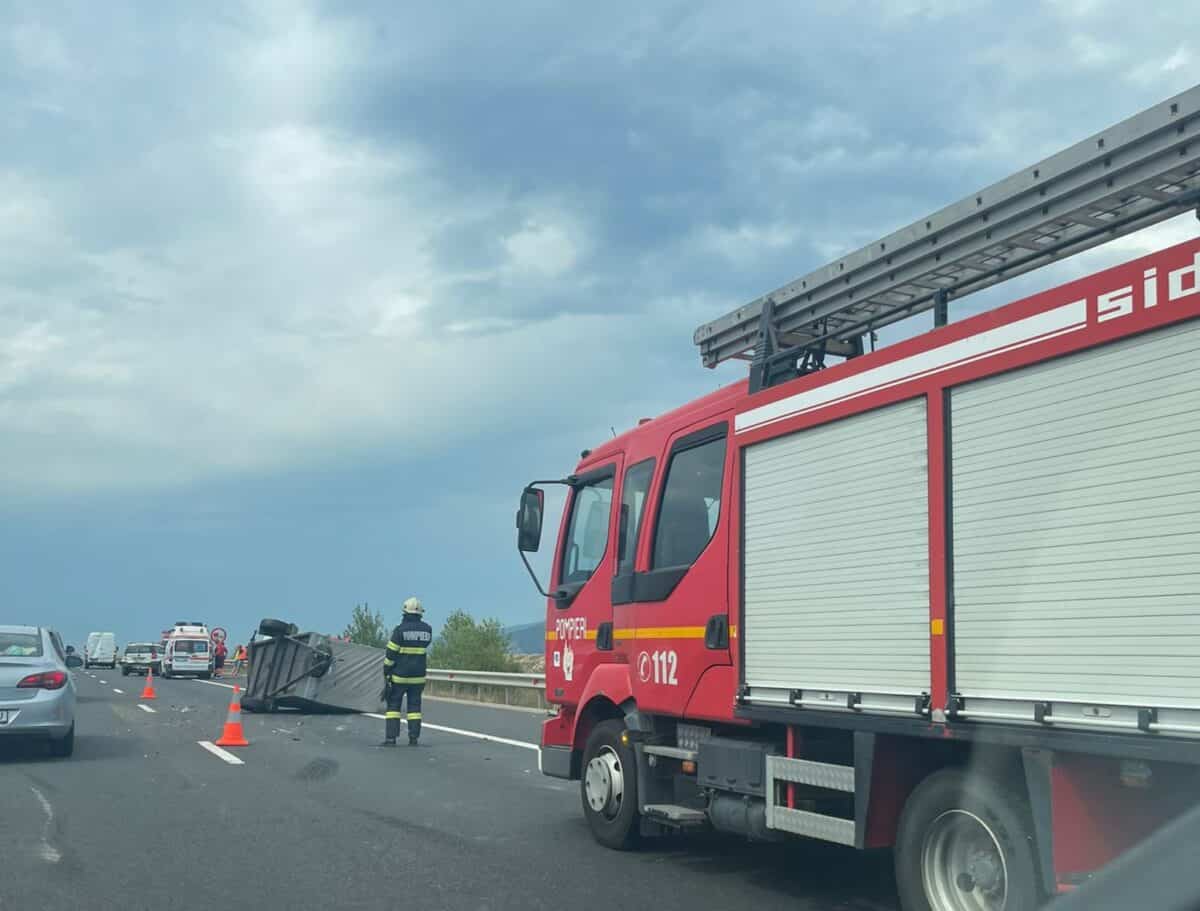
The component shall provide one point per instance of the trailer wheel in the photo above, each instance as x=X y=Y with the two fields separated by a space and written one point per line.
x=965 y=844
x=608 y=787
x=272 y=627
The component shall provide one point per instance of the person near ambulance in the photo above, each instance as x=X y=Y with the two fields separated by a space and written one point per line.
x=404 y=673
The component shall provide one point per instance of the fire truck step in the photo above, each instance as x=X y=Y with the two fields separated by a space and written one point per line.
x=675 y=815
x=670 y=752
x=807 y=771
x=814 y=825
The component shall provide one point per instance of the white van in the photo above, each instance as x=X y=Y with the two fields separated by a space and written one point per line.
x=189 y=651
x=101 y=650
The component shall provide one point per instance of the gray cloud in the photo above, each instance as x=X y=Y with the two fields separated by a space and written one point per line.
x=255 y=239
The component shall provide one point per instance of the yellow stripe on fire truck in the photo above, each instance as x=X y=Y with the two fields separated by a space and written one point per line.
x=649 y=632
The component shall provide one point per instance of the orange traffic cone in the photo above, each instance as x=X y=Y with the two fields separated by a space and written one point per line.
x=233 y=736
x=148 y=689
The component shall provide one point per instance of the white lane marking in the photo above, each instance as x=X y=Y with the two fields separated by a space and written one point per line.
x=49 y=853
x=104 y=683
x=227 y=686
x=115 y=690
x=491 y=705
x=478 y=736
x=145 y=708
x=219 y=753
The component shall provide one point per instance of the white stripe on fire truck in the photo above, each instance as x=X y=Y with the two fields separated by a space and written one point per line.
x=1068 y=318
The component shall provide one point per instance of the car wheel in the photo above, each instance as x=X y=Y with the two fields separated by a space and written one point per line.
x=608 y=787
x=64 y=746
x=965 y=841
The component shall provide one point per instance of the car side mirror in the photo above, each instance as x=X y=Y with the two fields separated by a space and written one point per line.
x=529 y=520
x=74 y=661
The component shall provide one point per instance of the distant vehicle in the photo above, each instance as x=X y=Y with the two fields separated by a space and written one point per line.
x=189 y=651
x=37 y=692
x=138 y=658
x=101 y=650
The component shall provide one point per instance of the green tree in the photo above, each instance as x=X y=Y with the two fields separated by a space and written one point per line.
x=366 y=627
x=466 y=644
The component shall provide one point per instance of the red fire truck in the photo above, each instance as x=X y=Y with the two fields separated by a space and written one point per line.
x=943 y=596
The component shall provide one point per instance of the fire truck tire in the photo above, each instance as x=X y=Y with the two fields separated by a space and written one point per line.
x=961 y=832
x=608 y=787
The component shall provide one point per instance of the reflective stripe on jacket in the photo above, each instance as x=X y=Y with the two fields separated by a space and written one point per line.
x=404 y=660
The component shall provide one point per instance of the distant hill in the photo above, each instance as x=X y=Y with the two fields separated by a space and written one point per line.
x=528 y=638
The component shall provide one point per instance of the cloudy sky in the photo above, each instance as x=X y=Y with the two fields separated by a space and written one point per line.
x=293 y=300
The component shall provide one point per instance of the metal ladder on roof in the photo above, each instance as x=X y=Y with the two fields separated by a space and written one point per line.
x=1136 y=173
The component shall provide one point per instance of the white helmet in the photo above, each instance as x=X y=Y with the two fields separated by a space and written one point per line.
x=413 y=606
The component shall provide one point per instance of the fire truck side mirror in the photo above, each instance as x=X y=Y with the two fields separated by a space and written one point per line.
x=529 y=520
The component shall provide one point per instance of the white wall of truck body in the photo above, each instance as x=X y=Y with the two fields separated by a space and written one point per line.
x=1075 y=516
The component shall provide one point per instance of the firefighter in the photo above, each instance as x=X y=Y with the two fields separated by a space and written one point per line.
x=404 y=672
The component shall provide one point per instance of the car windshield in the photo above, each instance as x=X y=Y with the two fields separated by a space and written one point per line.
x=20 y=645
x=191 y=647
x=138 y=650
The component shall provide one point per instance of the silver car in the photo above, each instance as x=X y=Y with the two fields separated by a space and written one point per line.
x=37 y=690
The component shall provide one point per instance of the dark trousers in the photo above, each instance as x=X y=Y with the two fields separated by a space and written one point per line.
x=395 y=702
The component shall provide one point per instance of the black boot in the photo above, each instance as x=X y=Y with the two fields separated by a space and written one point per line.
x=391 y=732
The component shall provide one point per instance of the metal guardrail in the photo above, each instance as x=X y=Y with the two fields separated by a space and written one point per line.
x=487 y=678
x=491 y=687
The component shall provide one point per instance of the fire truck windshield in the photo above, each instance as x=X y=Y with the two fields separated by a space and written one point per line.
x=587 y=534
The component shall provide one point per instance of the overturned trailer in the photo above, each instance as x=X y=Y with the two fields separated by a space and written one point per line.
x=311 y=672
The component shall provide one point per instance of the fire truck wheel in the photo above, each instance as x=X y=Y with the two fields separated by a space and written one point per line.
x=609 y=787
x=965 y=844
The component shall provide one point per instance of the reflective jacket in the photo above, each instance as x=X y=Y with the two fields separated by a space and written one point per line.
x=404 y=661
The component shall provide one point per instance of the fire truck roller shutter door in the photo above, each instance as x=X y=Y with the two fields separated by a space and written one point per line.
x=1076 y=501
x=837 y=559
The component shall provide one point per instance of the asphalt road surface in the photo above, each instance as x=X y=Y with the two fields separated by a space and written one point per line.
x=317 y=816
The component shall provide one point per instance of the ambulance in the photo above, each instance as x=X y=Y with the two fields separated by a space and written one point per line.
x=189 y=651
